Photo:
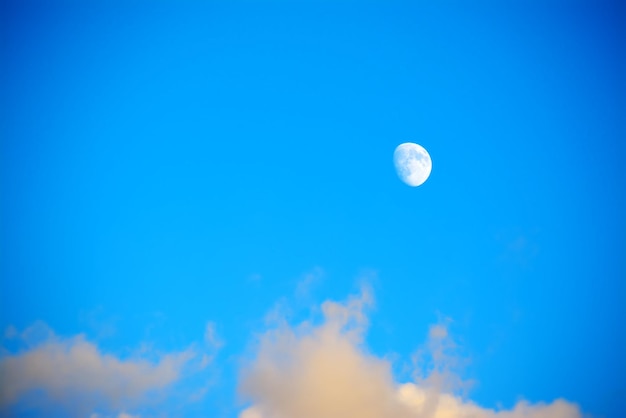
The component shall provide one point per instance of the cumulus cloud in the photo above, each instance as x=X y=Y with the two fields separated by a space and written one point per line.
x=74 y=373
x=325 y=371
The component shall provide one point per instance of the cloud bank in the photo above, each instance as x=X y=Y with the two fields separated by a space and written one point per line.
x=324 y=371
x=311 y=370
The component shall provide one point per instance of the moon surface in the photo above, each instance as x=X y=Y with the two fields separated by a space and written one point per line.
x=413 y=164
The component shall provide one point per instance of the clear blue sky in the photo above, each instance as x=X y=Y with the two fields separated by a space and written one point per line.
x=164 y=164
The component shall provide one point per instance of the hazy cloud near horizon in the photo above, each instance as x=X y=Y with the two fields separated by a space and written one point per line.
x=309 y=370
x=312 y=371
x=74 y=374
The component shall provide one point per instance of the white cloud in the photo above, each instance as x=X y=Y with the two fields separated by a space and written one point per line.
x=325 y=371
x=444 y=405
x=251 y=412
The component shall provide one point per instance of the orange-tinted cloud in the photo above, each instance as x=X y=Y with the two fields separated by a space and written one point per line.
x=74 y=373
x=325 y=371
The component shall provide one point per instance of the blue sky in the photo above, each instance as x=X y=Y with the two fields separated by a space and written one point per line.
x=168 y=165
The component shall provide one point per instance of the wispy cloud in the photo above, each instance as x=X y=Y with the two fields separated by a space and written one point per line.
x=211 y=339
x=325 y=370
x=76 y=375
x=307 y=282
x=102 y=325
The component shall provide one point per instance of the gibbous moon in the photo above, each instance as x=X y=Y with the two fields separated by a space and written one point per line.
x=412 y=163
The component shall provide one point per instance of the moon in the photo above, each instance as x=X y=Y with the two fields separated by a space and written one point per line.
x=413 y=164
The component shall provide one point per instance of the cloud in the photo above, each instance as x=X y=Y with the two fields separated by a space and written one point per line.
x=74 y=373
x=120 y=415
x=103 y=326
x=320 y=371
x=425 y=403
x=325 y=370
x=211 y=339
x=308 y=281
x=519 y=247
x=125 y=415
